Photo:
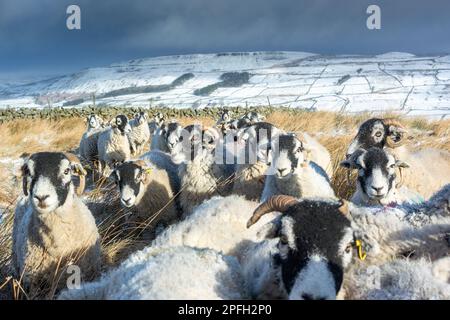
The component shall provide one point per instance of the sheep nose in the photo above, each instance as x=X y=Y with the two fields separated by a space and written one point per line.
x=127 y=201
x=42 y=198
x=378 y=190
x=282 y=170
x=307 y=296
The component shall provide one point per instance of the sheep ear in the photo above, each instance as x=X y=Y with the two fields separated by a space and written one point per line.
x=25 y=171
x=401 y=164
x=347 y=164
x=270 y=230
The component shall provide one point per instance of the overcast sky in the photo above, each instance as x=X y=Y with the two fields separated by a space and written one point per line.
x=34 y=39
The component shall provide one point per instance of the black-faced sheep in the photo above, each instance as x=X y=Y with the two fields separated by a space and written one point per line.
x=113 y=144
x=429 y=168
x=52 y=226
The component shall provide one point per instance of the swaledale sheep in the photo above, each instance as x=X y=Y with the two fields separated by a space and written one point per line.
x=88 y=143
x=414 y=231
x=113 y=144
x=140 y=133
x=306 y=252
x=430 y=168
x=199 y=174
x=253 y=162
x=377 y=182
x=160 y=140
x=155 y=124
x=52 y=226
x=147 y=192
x=281 y=256
x=293 y=173
x=401 y=279
x=180 y=273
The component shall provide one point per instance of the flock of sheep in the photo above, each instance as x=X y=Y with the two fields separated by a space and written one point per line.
x=241 y=210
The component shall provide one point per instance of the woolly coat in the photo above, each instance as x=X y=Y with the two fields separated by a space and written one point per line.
x=139 y=136
x=219 y=224
x=113 y=147
x=42 y=241
x=198 y=182
x=429 y=169
x=180 y=273
x=401 y=279
x=414 y=231
x=311 y=182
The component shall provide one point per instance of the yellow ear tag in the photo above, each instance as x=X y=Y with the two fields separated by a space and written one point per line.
x=362 y=255
x=148 y=171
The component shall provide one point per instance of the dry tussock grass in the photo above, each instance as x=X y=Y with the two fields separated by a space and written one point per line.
x=333 y=130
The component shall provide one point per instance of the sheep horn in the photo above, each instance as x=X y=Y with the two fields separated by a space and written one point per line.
x=80 y=170
x=398 y=185
x=400 y=129
x=276 y=203
x=344 y=208
x=141 y=163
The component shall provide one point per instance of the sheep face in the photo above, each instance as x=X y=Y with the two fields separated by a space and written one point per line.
x=376 y=171
x=141 y=118
x=377 y=133
x=47 y=179
x=188 y=144
x=94 y=121
x=315 y=245
x=130 y=177
x=122 y=124
x=289 y=156
x=253 y=117
x=172 y=133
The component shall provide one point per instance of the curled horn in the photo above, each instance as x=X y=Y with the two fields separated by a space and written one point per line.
x=79 y=171
x=400 y=183
x=141 y=163
x=344 y=208
x=276 y=203
x=390 y=142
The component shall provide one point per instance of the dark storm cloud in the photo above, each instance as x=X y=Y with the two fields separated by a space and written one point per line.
x=34 y=38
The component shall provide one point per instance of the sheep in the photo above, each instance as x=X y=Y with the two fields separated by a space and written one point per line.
x=306 y=252
x=140 y=133
x=53 y=228
x=401 y=279
x=252 y=164
x=88 y=143
x=155 y=124
x=415 y=231
x=293 y=173
x=377 y=182
x=276 y=254
x=148 y=192
x=113 y=144
x=160 y=140
x=178 y=273
x=201 y=177
x=423 y=177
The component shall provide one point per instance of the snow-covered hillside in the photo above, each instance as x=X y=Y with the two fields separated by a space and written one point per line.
x=415 y=85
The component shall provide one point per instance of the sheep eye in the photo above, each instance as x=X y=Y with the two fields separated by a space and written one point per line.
x=283 y=239
x=348 y=248
x=392 y=166
x=67 y=171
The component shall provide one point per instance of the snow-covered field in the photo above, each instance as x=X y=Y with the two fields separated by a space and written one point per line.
x=414 y=85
